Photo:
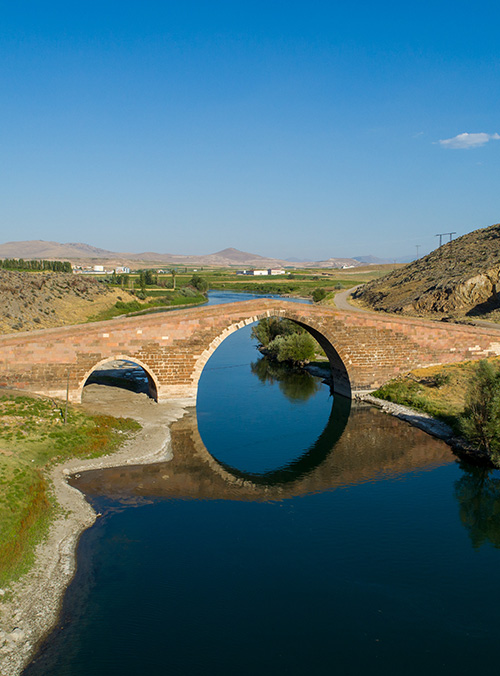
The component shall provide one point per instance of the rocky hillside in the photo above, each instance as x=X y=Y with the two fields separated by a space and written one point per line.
x=458 y=279
x=42 y=300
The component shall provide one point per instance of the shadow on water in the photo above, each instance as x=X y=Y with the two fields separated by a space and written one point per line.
x=478 y=496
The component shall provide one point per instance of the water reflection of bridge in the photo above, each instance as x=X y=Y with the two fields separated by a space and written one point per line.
x=370 y=447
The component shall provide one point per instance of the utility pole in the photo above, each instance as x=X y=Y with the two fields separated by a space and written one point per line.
x=67 y=399
x=417 y=246
x=442 y=234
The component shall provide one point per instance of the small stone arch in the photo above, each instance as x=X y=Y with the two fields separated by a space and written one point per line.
x=152 y=378
x=338 y=365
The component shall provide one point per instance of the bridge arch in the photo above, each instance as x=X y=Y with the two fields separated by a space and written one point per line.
x=338 y=362
x=152 y=378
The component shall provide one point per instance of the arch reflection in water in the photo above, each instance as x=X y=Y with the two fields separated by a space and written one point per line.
x=373 y=446
x=312 y=456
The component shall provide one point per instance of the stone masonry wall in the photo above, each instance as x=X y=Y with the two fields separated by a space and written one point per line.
x=174 y=346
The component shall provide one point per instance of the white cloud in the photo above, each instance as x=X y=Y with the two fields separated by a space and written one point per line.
x=469 y=140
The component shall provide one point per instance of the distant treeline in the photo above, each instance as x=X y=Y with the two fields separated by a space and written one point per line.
x=35 y=265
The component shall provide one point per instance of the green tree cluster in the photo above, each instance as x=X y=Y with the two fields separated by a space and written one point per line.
x=35 y=265
x=285 y=341
x=199 y=283
x=319 y=294
x=480 y=421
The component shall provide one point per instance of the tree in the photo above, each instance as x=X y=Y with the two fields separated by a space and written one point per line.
x=173 y=272
x=480 y=421
x=297 y=348
x=318 y=294
x=267 y=330
x=199 y=283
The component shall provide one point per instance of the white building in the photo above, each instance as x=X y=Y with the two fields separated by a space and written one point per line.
x=262 y=273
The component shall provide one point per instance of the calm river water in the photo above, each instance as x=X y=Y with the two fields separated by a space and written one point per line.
x=291 y=534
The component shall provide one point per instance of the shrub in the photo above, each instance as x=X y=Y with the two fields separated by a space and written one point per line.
x=318 y=294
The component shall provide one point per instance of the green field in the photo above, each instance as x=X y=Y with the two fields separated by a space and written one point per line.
x=33 y=437
x=295 y=282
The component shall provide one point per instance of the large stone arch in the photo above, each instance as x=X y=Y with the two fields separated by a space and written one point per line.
x=338 y=361
x=152 y=377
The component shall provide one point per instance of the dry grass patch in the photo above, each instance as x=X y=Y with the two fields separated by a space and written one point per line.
x=439 y=391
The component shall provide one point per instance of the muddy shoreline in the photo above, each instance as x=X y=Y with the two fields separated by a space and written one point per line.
x=33 y=602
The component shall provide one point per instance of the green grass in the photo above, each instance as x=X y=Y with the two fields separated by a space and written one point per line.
x=156 y=300
x=32 y=438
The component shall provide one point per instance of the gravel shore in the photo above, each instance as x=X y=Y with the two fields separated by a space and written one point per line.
x=30 y=607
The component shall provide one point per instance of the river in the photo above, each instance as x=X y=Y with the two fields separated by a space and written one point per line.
x=290 y=534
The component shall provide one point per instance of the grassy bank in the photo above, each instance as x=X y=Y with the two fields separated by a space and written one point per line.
x=439 y=391
x=33 y=437
x=155 y=300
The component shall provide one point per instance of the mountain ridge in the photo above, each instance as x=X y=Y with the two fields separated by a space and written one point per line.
x=228 y=257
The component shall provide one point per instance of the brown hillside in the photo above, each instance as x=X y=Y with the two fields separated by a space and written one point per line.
x=42 y=300
x=458 y=279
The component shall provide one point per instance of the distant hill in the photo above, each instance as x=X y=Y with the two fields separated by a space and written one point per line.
x=77 y=252
x=460 y=278
x=372 y=260
x=51 y=250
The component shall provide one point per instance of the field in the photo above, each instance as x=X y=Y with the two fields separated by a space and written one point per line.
x=33 y=436
x=294 y=282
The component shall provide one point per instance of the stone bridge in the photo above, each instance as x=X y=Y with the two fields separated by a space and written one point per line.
x=365 y=349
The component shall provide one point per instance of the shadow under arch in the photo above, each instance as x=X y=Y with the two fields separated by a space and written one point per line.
x=296 y=469
x=341 y=382
x=152 y=382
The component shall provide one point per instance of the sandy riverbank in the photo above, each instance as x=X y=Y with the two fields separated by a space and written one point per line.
x=32 y=609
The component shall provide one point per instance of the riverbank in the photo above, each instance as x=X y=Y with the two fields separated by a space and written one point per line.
x=427 y=423
x=30 y=607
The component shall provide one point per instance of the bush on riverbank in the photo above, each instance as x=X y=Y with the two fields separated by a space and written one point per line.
x=32 y=438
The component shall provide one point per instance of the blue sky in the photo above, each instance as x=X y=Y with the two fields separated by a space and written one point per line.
x=301 y=129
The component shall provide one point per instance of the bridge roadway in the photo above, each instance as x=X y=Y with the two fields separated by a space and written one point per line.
x=365 y=349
